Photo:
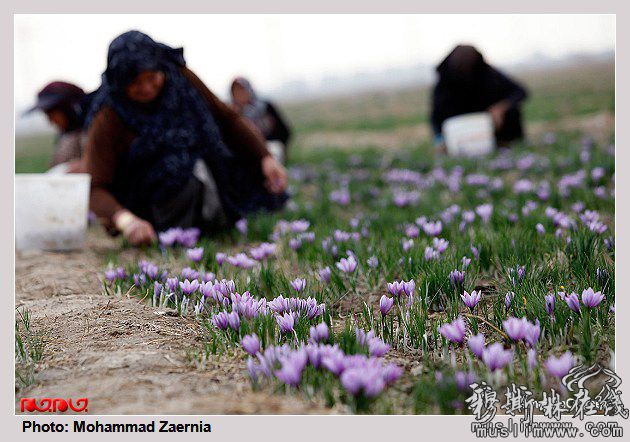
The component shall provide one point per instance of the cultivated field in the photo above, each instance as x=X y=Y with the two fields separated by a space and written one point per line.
x=393 y=279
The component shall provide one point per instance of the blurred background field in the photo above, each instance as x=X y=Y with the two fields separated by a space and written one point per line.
x=580 y=97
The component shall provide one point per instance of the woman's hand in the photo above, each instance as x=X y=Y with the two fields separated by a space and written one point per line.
x=136 y=230
x=497 y=111
x=275 y=175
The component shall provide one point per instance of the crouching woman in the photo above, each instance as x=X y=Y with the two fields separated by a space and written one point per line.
x=164 y=151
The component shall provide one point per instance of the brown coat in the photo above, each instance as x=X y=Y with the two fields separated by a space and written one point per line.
x=109 y=139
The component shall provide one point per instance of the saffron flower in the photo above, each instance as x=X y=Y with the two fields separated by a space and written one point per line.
x=241 y=226
x=220 y=320
x=455 y=331
x=477 y=343
x=591 y=299
x=172 y=284
x=286 y=322
x=573 y=302
x=496 y=357
x=559 y=367
x=386 y=304
x=195 y=255
x=251 y=344
x=298 y=284
x=372 y=262
x=319 y=333
x=234 y=321
x=471 y=299
x=432 y=228
x=189 y=287
x=377 y=348
x=550 y=303
x=456 y=277
x=516 y=328
x=325 y=274
x=220 y=257
x=110 y=275
x=347 y=265
x=292 y=366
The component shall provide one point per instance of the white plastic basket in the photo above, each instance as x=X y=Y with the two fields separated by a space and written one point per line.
x=51 y=211
x=469 y=134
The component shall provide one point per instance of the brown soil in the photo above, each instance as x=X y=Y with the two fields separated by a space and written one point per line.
x=120 y=353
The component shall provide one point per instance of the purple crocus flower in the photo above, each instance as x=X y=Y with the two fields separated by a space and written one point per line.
x=386 y=304
x=591 y=299
x=516 y=328
x=573 y=302
x=532 y=333
x=477 y=343
x=319 y=333
x=365 y=380
x=455 y=331
x=325 y=274
x=540 y=229
x=110 y=275
x=189 y=287
x=456 y=277
x=220 y=257
x=377 y=348
x=432 y=228
x=508 y=300
x=471 y=299
x=172 y=284
x=189 y=273
x=241 y=226
x=372 y=262
x=531 y=358
x=298 y=284
x=550 y=303
x=292 y=366
x=234 y=321
x=391 y=373
x=559 y=367
x=220 y=320
x=475 y=251
x=195 y=255
x=465 y=263
x=251 y=344
x=395 y=288
x=485 y=212
x=463 y=380
x=286 y=322
x=347 y=265
x=409 y=287
x=440 y=244
x=496 y=357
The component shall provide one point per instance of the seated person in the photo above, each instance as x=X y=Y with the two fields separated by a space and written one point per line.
x=264 y=115
x=164 y=151
x=64 y=105
x=468 y=84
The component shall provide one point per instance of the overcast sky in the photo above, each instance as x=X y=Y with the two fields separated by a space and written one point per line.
x=273 y=49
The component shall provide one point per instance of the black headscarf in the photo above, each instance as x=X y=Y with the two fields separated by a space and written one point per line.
x=173 y=132
x=467 y=83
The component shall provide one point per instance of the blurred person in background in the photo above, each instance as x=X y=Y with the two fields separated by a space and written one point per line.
x=468 y=84
x=164 y=151
x=264 y=115
x=64 y=104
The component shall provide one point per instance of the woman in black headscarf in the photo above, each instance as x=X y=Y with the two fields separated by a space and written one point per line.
x=64 y=104
x=163 y=151
x=468 y=84
x=263 y=114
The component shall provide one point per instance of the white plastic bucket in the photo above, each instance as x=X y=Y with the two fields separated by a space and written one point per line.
x=469 y=134
x=51 y=211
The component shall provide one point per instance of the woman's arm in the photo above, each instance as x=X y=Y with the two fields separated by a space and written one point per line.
x=102 y=152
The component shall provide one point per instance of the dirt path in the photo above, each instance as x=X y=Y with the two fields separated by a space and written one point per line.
x=120 y=353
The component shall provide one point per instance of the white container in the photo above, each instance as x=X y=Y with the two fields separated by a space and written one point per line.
x=51 y=211
x=469 y=134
